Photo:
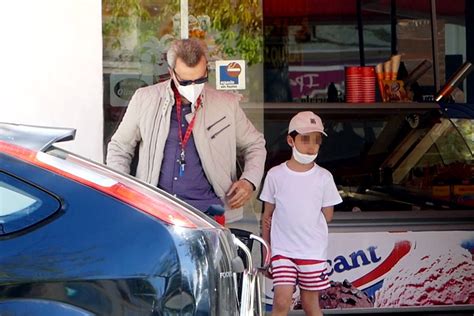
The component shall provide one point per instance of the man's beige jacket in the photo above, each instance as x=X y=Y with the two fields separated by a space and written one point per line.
x=221 y=131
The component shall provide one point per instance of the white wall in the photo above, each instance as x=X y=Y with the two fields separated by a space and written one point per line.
x=51 y=68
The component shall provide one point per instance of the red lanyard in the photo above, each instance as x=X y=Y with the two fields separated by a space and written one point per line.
x=187 y=135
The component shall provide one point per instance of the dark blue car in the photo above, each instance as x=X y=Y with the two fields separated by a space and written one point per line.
x=77 y=238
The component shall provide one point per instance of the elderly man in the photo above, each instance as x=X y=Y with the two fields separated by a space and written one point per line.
x=189 y=136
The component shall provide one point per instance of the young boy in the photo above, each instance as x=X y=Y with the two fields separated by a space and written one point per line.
x=299 y=198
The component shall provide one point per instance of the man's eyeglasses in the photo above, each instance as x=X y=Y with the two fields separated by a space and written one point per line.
x=189 y=82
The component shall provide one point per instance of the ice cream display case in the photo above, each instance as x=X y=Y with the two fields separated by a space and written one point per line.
x=403 y=238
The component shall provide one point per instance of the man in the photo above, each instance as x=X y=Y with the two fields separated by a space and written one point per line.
x=189 y=136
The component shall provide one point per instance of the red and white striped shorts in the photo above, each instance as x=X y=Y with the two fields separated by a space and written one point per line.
x=310 y=275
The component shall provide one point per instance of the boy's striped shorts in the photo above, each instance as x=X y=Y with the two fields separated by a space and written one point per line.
x=309 y=275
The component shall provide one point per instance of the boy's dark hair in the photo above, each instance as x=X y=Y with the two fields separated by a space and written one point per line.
x=293 y=134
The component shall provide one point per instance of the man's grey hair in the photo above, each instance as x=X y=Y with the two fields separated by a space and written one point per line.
x=189 y=50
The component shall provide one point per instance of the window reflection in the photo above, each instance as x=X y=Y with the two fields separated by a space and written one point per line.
x=308 y=44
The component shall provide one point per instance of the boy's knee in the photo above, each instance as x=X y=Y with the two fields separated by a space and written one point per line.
x=309 y=301
x=308 y=305
x=282 y=303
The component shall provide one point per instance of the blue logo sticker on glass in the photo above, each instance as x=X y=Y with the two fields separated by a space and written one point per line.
x=227 y=76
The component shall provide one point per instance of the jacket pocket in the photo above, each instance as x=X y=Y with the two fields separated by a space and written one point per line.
x=216 y=122
x=219 y=131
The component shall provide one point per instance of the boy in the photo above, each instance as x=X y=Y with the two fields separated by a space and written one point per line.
x=299 y=198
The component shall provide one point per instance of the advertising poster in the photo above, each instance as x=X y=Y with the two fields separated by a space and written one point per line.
x=391 y=270
x=230 y=74
x=310 y=83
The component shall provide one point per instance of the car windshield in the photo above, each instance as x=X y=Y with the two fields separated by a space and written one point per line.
x=396 y=162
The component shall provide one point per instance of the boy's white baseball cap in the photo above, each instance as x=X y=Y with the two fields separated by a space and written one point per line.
x=306 y=122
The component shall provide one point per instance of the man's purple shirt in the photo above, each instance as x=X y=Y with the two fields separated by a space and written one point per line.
x=193 y=186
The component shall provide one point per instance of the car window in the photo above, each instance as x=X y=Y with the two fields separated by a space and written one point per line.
x=12 y=200
x=23 y=205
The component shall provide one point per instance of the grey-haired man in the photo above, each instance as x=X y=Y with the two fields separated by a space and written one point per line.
x=189 y=136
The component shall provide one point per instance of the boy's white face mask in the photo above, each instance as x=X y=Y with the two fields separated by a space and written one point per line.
x=191 y=92
x=303 y=158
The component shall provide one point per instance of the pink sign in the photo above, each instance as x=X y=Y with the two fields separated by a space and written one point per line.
x=311 y=81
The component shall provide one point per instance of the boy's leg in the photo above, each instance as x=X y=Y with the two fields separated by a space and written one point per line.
x=310 y=303
x=282 y=299
x=284 y=280
x=312 y=278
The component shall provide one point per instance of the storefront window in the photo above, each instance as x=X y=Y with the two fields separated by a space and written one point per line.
x=293 y=53
x=385 y=156
x=308 y=44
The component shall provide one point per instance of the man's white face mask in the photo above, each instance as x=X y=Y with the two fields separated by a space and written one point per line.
x=303 y=158
x=190 y=89
x=190 y=92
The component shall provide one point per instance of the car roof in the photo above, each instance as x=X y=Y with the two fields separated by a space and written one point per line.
x=38 y=138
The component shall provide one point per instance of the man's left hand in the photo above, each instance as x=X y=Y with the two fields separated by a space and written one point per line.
x=240 y=192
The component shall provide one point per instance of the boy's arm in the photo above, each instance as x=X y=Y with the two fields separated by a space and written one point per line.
x=268 y=209
x=328 y=212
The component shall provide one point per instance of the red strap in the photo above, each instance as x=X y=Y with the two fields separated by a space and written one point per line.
x=187 y=135
x=220 y=219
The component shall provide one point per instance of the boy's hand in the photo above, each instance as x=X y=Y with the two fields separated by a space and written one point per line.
x=268 y=273
x=267 y=270
x=240 y=192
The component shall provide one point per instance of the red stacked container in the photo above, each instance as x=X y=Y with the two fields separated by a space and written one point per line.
x=360 y=84
x=353 y=84
x=368 y=84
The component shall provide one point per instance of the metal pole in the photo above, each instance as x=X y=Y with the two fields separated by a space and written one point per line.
x=469 y=22
x=434 y=46
x=393 y=26
x=360 y=29
x=184 y=19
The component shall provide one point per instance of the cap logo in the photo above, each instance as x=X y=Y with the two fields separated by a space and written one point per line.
x=312 y=121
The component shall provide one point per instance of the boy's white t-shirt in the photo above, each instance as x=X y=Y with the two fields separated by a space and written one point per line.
x=299 y=229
